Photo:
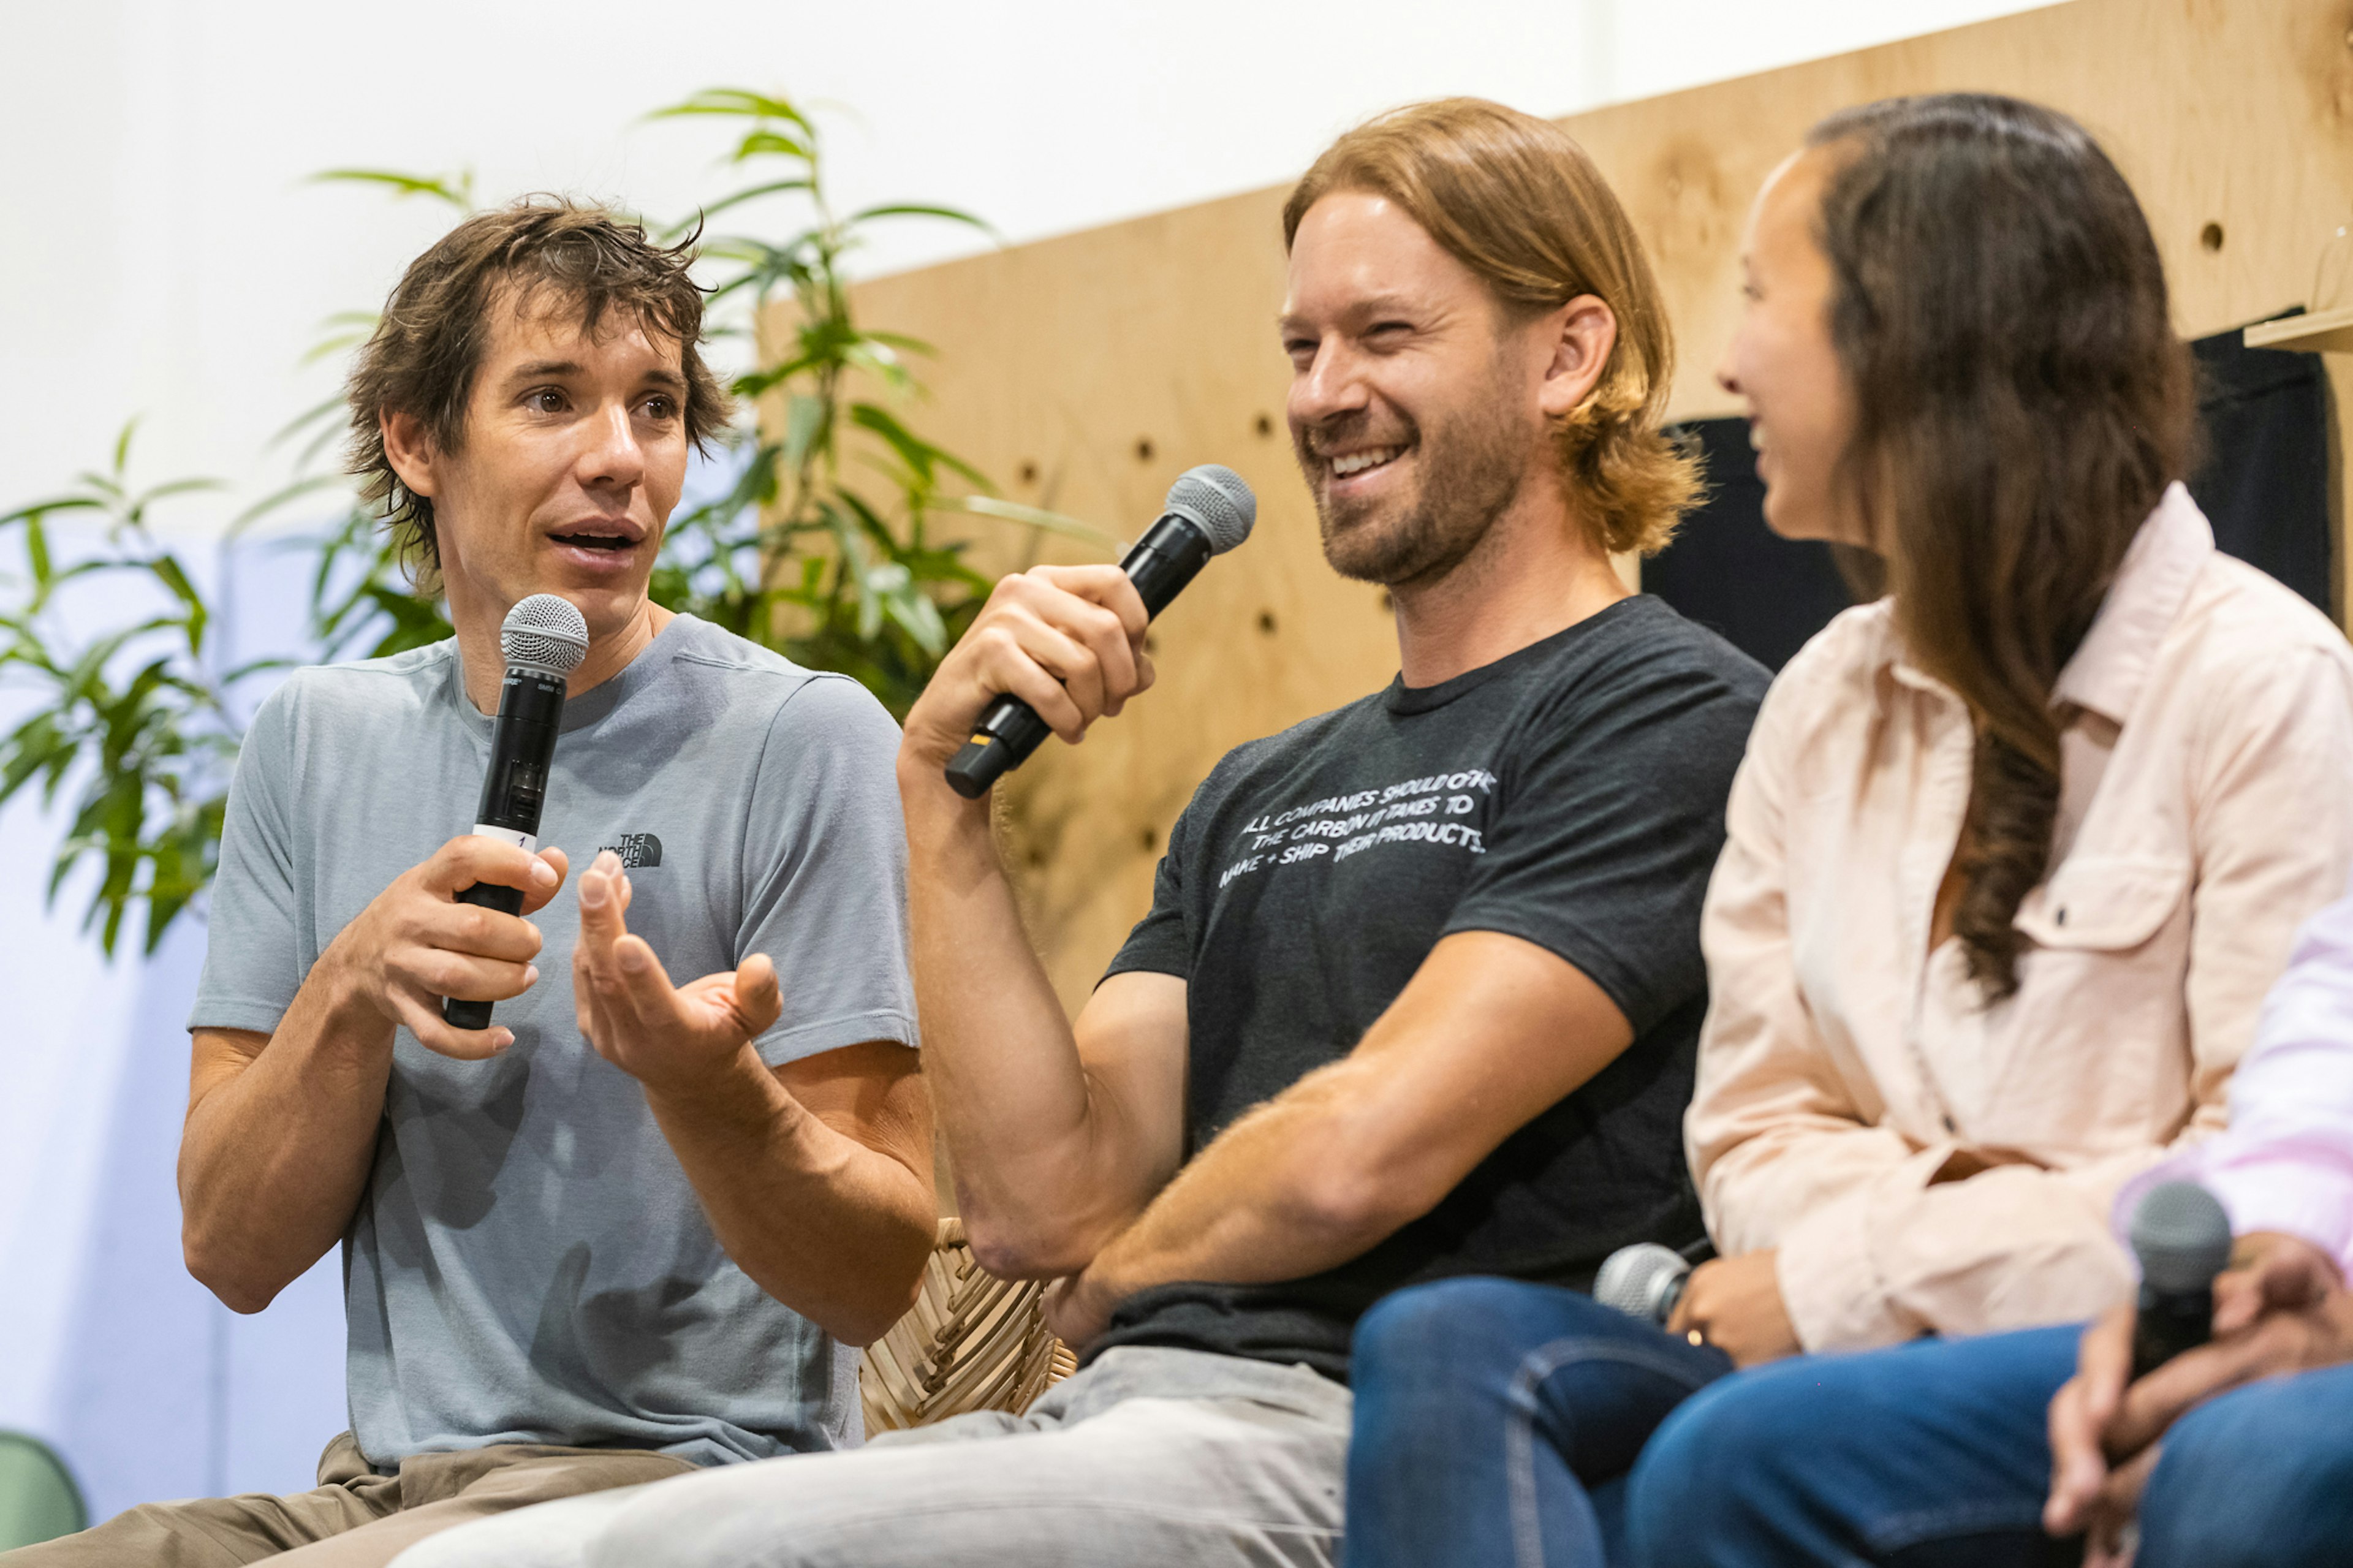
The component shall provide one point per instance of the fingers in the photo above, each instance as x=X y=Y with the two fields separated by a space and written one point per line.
x=759 y=997
x=1688 y=1314
x=472 y=979
x=2279 y=1342
x=470 y=858
x=1082 y=626
x=535 y=897
x=602 y=905
x=2078 y=1468
x=435 y=1032
x=1107 y=586
x=2079 y=1417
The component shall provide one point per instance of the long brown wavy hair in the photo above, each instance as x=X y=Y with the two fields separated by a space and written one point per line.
x=2022 y=403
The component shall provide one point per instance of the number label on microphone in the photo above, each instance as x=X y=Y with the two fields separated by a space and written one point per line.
x=526 y=842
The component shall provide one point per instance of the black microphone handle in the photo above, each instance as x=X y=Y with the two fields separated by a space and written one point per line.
x=1168 y=556
x=514 y=787
x=2169 y=1323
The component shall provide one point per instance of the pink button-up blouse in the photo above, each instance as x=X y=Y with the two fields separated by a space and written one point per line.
x=2206 y=811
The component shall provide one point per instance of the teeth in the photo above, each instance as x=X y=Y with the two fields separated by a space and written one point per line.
x=1357 y=462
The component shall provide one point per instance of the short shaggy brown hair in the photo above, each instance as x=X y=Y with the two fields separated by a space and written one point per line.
x=427 y=346
x=1518 y=201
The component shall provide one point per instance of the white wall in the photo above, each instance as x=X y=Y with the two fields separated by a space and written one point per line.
x=161 y=254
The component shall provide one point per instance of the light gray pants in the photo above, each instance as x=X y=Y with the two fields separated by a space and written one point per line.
x=1149 y=1457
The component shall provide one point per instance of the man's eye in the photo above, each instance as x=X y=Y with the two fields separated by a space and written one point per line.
x=546 y=400
x=659 y=407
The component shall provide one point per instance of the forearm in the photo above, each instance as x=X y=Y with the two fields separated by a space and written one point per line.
x=276 y=1146
x=1281 y=1194
x=1035 y=1153
x=833 y=1229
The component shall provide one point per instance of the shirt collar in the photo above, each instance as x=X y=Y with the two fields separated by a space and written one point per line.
x=2112 y=666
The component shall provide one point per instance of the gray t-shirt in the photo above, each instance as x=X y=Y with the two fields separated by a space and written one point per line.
x=528 y=1263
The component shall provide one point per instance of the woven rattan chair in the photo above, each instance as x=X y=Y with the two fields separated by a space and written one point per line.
x=972 y=1342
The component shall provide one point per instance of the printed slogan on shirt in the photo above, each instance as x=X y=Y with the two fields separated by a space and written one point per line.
x=1426 y=810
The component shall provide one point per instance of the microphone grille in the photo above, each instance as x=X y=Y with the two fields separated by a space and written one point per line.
x=1642 y=1280
x=2181 y=1236
x=1216 y=501
x=545 y=632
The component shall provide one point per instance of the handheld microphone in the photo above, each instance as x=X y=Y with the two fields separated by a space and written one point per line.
x=1645 y=1281
x=544 y=639
x=2183 y=1239
x=1209 y=510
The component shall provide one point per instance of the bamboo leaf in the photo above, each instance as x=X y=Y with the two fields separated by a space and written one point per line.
x=456 y=190
x=918 y=209
x=278 y=498
x=1035 y=517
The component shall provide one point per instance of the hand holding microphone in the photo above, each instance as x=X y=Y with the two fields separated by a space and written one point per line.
x=544 y=638
x=1058 y=647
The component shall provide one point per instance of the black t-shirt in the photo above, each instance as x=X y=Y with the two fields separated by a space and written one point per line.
x=1570 y=793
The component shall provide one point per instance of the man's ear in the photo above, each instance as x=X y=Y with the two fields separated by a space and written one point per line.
x=409 y=450
x=1583 y=332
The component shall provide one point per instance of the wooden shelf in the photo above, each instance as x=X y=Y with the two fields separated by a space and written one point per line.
x=2330 y=332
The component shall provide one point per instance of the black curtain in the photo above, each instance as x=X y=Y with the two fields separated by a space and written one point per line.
x=2264 y=485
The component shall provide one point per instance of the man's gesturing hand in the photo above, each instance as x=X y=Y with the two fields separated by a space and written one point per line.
x=1068 y=640
x=416 y=943
x=665 y=1036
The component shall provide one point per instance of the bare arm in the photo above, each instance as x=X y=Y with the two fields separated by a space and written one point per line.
x=1491 y=1031
x=1058 y=1136
x=815 y=1176
x=281 y=1126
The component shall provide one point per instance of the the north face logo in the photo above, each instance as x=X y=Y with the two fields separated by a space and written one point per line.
x=637 y=850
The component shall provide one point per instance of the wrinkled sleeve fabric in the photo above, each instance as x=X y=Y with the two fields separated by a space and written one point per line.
x=253 y=955
x=1162 y=941
x=1872 y=1249
x=1775 y=1131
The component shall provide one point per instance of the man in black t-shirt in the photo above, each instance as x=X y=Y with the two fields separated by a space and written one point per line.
x=1419 y=988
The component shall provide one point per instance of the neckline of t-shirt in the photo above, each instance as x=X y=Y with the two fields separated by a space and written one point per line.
x=590 y=707
x=1402 y=699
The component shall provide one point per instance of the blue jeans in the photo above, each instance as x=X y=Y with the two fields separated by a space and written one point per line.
x=1934 y=1453
x=1495 y=1422
x=2263 y=1475
x=1931 y=1453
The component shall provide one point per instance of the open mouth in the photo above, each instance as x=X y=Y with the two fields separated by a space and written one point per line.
x=612 y=543
x=1347 y=465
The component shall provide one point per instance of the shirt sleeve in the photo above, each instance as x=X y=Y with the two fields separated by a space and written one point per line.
x=253 y=950
x=1601 y=851
x=826 y=872
x=1161 y=942
x=1873 y=1249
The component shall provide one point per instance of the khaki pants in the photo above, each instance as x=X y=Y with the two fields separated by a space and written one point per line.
x=356 y=1519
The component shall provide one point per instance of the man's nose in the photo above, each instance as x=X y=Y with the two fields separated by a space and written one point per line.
x=1331 y=387
x=613 y=456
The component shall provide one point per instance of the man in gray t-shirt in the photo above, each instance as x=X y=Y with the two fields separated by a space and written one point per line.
x=633 y=1227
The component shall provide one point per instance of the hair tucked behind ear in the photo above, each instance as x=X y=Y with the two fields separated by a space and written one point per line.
x=1519 y=202
x=2022 y=403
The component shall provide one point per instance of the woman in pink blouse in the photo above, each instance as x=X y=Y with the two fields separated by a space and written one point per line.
x=2015 y=854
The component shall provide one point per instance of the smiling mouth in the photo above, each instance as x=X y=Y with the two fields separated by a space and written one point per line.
x=1349 y=464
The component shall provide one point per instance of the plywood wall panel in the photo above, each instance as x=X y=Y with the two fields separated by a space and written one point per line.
x=1086 y=371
